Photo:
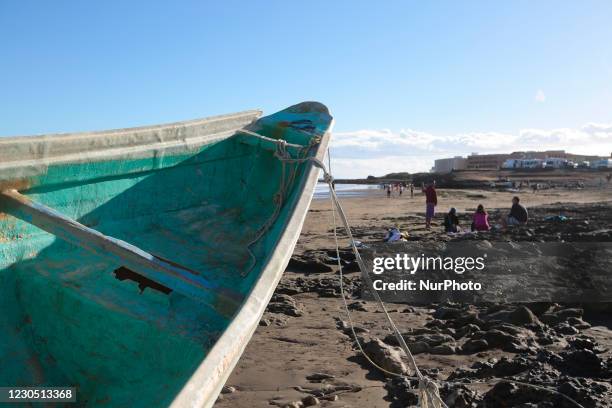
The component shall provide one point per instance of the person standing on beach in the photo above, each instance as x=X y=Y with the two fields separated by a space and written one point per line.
x=411 y=190
x=388 y=191
x=431 y=200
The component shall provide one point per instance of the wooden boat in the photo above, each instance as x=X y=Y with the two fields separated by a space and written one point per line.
x=135 y=264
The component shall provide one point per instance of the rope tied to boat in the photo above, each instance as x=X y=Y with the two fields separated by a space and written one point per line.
x=429 y=395
x=287 y=177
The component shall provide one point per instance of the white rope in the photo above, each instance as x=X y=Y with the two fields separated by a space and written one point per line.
x=428 y=393
x=286 y=181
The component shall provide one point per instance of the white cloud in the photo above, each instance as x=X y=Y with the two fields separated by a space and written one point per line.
x=377 y=166
x=539 y=96
x=377 y=152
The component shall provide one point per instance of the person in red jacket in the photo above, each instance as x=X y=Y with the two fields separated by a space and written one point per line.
x=431 y=200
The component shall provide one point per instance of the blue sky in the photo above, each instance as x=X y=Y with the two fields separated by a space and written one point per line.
x=406 y=81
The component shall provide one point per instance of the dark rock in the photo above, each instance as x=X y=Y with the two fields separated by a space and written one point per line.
x=418 y=347
x=549 y=357
x=564 y=328
x=545 y=339
x=506 y=367
x=403 y=392
x=508 y=394
x=435 y=323
x=578 y=323
x=459 y=397
x=466 y=330
x=583 y=363
x=346 y=328
x=284 y=304
x=522 y=315
x=539 y=308
x=310 y=401
x=443 y=349
x=307 y=265
x=328 y=292
x=228 y=389
x=358 y=306
x=559 y=316
x=500 y=339
x=468 y=317
x=446 y=312
x=588 y=394
x=474 y=346
x=582 y=343
x=319 y=377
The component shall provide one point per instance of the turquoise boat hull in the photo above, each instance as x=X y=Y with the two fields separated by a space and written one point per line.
x=193 y=194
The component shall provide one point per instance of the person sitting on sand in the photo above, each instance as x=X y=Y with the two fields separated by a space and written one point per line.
x=431 y=200
x=480 y=220
x=393 y=235
x=518 y=214
x=451 y=221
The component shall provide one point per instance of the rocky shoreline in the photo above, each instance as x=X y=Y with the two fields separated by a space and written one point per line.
x=474 y=352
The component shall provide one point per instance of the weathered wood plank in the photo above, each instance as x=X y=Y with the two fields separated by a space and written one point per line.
x=169 y=274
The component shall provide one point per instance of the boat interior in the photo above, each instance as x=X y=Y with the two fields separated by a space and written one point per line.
x=72 y=316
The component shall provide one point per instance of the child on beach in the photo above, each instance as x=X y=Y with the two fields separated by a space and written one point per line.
x=451 y=221
x=480 y=220
x=431 y=200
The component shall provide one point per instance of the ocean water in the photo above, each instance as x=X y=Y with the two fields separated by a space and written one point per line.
x=345 y=190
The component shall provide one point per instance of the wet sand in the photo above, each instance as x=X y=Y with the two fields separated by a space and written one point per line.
x=302 y=353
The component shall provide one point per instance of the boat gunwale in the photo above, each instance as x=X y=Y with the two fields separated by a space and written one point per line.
x=205 y=384
x=22 y=158
x=256 y=113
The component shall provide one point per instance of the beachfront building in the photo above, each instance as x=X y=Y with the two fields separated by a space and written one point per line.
x=477 y=161
x=524 y=164
x=450 y=164
x=557 y=156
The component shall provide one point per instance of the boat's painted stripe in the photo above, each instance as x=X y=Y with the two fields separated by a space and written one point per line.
x=169 y=274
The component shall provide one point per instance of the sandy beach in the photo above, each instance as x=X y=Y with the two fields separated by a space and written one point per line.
x=302 y=354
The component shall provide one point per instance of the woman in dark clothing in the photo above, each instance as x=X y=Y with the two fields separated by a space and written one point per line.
x=451 y=221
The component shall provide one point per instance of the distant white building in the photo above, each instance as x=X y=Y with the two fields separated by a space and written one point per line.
x=602 y=164
x=450 y=164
